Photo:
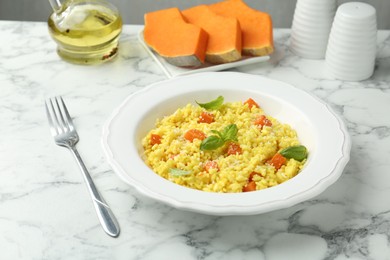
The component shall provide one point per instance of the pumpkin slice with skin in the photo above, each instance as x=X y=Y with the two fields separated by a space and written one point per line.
x=224 y=43
x=178 y=42
x=256 y=26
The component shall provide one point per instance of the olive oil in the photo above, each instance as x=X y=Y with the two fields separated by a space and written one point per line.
x=86 y=32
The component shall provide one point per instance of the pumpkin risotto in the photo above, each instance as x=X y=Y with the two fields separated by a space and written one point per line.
x=223 y=147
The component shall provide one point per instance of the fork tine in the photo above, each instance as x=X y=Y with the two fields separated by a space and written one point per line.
x=62 y=122
x=53 y=128
x=57 y=123
x=68 y=119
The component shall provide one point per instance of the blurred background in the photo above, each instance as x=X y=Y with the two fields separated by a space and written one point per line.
x=132 y=11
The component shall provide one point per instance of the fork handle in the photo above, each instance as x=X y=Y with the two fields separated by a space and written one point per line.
x=105 y=215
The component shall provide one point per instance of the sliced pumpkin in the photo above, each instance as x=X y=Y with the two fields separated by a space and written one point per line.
x=178 y=42
x=256 y=26
x=224 y=43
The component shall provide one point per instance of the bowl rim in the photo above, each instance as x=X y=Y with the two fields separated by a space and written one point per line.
x=214 y=203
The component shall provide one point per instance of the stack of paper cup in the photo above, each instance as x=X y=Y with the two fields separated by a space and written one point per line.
x=311 y=27
x=352 y=42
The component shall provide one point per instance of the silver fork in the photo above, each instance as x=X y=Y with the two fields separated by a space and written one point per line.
x=64 y=133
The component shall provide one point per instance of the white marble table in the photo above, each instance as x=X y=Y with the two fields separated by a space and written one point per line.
x=45 y=212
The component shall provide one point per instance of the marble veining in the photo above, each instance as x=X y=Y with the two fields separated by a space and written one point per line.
x=45 y=212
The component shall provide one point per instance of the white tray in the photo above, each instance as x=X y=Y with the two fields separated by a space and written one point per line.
x=172 y=71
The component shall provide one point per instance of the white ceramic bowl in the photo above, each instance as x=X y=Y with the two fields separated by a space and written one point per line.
x=318 y=128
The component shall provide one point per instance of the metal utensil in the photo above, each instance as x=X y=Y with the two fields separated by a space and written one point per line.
x=64 y=133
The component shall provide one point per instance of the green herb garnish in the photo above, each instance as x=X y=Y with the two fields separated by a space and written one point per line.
x=229 y=133
x=212 y=105
x=177 y=172
x=297 y=152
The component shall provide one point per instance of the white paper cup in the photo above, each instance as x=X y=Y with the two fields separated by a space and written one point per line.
x=351 y=49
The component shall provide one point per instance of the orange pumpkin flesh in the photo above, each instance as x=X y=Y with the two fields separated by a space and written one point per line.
x=256 y=26
x=179 y=43
x=224 y=43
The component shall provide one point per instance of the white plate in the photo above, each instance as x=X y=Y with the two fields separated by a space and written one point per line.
x=172 y=71
x=318 y=128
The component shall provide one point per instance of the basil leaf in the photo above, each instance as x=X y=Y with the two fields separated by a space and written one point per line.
x=230 y=133
x=177 y=172
x=211 y=143
x=297 y=152
x=212 y=105
x=217 y=133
